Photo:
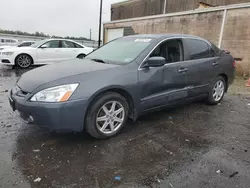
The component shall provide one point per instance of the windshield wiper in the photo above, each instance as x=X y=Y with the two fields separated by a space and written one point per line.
x=99 y=60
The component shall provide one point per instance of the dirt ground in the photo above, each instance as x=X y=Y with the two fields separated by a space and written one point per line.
x=193 y=145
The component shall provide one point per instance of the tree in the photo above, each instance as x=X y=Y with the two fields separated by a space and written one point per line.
x=39 y=34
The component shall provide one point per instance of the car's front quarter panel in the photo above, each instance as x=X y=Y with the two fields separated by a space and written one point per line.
x=28 y=50
x=17 y=51
x=93 y=83
x=64 y=116
x=90 y=85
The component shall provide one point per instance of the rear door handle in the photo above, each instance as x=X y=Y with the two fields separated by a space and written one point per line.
x=181 y=70
x=215 y=63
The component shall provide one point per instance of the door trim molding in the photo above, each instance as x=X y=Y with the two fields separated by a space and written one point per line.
x=163 y=94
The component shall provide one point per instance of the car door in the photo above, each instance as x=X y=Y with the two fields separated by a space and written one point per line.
x=69 y=50
x=164 y=85
x=203 y=66
x=49 y=52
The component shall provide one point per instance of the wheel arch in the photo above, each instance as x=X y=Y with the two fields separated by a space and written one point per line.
x=223 y=75
x=32 y=59
x=81 y=54
x=123 y=92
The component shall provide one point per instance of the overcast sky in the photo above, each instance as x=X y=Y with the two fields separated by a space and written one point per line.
x=54 y=17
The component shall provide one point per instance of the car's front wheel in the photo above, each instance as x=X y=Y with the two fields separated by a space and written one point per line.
x=217 y=90
x=107 y=115
x=24 y=61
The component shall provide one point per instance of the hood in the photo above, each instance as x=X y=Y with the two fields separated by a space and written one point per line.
x=33 y=79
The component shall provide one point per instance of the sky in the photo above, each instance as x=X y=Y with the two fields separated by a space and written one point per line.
x=54 y=17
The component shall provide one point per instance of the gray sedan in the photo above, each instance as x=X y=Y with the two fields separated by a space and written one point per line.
x=123 y=79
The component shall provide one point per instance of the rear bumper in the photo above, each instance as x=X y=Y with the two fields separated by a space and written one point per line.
x=67 y=116
x=231 y=77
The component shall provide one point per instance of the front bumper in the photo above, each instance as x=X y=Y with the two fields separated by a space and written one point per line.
x=7 y=60
x=66 y=117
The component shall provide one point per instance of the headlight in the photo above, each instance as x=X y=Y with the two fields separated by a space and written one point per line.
x=7 y=53
x=55 y=94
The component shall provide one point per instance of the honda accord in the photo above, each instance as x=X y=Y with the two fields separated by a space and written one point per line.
x=123 y=79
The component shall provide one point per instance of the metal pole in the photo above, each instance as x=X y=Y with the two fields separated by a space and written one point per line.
x=100 y=25
x=222 y=28
x=164 y=8
x=90 y=33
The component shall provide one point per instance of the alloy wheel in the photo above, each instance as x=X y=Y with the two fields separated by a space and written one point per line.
x=24 y=61
x=218 y=90
x=110 y=117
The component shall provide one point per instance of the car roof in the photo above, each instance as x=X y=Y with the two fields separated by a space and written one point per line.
x=26 y=41
x=162 y=36
x=60 y=39
x=49 y=39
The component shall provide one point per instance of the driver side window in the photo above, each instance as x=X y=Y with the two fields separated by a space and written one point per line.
x=171 y=50
x=52 y=44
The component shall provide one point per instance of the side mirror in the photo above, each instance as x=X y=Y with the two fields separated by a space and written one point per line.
x=43 y=46
x=155 y=62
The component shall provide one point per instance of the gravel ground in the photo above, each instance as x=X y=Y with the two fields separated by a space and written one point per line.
x=194 y=145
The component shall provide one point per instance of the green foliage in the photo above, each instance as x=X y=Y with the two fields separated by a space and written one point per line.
x=39 y=34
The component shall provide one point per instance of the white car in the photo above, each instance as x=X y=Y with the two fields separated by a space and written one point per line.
x=8 y=42
x=44 y=52
x=22 y=44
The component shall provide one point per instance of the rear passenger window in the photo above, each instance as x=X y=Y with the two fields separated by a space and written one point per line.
x=78 y=46
x=199 y=49
x=52 y=44
x=67 y=44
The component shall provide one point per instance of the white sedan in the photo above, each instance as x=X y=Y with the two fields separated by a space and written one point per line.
x=44 y=52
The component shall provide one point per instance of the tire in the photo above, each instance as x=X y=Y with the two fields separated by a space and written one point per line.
x=99 y=120
x=81 y=56
x=217 y=91
x=23 y=61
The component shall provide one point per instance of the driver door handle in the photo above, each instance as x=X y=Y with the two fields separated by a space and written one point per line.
x=215 y=63
x=182 y=70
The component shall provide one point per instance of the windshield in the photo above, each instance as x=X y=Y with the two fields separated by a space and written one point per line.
x=38 y=43
x=121 y=51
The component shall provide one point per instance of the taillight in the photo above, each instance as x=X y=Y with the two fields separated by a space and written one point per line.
x=234 y=63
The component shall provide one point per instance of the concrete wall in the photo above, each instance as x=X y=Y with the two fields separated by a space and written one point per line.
x=236 y=35
x=138 y=8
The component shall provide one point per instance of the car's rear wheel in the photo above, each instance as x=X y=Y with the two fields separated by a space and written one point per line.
x=81 y=56
x=217 y=90
x=107 y=115
x=24 y=61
